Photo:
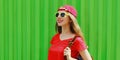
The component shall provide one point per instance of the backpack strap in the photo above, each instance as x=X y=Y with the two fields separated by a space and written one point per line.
x=71 y=42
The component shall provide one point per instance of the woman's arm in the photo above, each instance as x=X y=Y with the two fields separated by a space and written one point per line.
x=85 y=55
x=70 y=58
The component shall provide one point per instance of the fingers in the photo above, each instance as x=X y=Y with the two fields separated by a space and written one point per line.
x=67 y=48
x=67 y=51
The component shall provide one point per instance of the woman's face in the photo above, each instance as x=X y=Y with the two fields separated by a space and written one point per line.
x=62 y=18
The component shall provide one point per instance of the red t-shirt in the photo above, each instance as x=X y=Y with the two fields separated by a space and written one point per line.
x=57 y=47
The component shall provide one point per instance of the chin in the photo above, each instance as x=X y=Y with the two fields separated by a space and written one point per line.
x=59 y=25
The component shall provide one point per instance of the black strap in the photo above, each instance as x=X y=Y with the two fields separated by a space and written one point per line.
x=71 y=42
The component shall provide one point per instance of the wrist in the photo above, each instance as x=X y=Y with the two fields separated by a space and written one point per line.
x=69 y=57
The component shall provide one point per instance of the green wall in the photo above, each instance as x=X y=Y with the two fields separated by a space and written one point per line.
x=26 y=27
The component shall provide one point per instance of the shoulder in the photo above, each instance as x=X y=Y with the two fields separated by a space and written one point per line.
x=54 y=38
x=80 y=44
x=79 y=39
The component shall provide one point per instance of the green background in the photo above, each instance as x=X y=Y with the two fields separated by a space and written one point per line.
x=27 y=26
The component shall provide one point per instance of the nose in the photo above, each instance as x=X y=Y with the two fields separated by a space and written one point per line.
x=59 y=16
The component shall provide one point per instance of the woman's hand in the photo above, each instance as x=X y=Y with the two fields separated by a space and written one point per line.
x=67 y=52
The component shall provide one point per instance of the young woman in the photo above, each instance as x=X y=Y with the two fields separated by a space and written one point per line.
x=67 y=28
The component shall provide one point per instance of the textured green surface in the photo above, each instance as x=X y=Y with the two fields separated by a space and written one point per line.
x=26 y=27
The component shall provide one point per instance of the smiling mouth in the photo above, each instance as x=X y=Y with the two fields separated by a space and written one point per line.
x=59 y=21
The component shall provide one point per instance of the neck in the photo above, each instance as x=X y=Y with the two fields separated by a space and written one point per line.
x=66 y=29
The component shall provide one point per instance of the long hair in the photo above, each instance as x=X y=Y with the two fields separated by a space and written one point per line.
x=74 y=27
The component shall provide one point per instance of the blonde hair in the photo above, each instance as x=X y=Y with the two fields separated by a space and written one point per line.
x=74 y=27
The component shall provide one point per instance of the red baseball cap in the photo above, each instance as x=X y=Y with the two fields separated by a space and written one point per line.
x=69 y=9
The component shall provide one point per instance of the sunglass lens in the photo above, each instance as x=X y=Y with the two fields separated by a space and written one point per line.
x=57 y=14
x=62 y=14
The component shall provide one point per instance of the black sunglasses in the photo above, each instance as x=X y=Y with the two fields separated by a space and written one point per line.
x=61 y=14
